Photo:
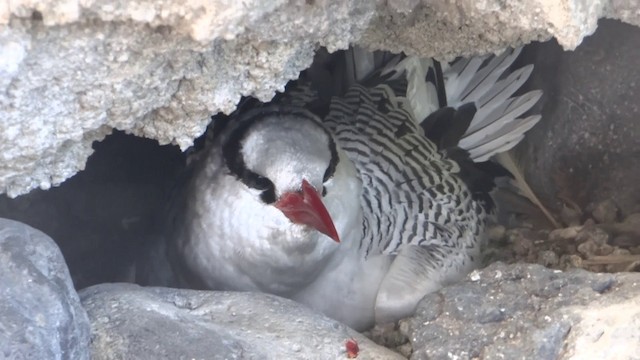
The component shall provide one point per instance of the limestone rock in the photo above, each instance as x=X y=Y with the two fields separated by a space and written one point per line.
x=40 y=312
x=131 y=322
x=530 y=312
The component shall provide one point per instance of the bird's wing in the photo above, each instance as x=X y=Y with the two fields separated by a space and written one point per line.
x=418 y=203
x=412 y=193
x=415 y=206
x=486 y=83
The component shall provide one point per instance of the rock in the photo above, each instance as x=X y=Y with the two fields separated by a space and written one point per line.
x=630 y=227
x=131 y=322
x=593 y=241
x=565 y=234
x=570 y=261
x=527 y=311
x=71 y=72
x=40 y=312
x=548 y=258
x=496 y=233
x=605 y=212
x=585 y=148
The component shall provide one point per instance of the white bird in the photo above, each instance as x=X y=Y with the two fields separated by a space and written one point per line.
x=361 y=208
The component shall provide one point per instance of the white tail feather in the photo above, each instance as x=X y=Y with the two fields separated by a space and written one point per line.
x=485 y=78
x=504 y=89
x=511 y=108
x=458 y=76
x=422 y=95
x=497 y=125
x=495 y=142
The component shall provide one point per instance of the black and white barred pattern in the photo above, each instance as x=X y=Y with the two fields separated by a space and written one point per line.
x=412 y=194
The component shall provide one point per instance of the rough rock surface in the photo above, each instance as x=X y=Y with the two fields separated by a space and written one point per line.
x=131 y=322
x=40 y=312
x=71 y=71
x=530 y=312
x=585 y=150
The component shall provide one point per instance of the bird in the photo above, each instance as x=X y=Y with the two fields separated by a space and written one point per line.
x=363 y=187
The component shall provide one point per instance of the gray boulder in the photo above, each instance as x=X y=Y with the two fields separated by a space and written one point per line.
x=527 y=311
x=132 y=322
x=40 y=312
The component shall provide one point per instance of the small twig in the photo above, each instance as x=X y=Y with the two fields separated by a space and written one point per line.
x=611 y=259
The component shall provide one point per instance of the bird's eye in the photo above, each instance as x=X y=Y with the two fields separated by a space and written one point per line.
x=268 y=195
x=262 y=183
x=324 y=191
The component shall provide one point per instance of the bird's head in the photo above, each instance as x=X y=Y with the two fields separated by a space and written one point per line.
x=289 y=159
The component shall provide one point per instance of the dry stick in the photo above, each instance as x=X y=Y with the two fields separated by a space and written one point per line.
x=611 y=259
x=507 y=160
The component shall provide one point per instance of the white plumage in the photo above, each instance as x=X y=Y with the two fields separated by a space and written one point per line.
x=259 y=210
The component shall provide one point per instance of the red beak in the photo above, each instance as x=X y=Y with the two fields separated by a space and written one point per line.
x=305 y=207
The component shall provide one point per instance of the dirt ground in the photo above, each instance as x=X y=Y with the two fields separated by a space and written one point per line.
x=597 y=239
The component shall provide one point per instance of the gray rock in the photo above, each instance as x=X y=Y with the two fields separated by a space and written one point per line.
x=132 y=322
x=585 y=149
x=605 y=212
x=72 y=71
x=527 y=311
x=40 y=312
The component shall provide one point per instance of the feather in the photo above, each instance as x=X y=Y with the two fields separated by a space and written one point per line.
x=484 y=79
x=415 y=271
x=494 y=142
x=508 y=160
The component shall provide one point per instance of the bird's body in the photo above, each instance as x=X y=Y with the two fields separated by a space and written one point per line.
x=278 y=184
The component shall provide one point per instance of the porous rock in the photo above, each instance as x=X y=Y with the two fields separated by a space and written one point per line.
x=527 y=311
x=131 y=322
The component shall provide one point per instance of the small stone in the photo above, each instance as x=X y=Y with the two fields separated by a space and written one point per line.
x=593 y=242
x=605 y=212
x=633 y=219
x=491 y=315
x=496 y=233
x=630 y=226
x=564 y=234
x=624 y=241
x=602 y=285
x=474 y=275
x=548 y=258
x=405 y=350
x=522 y=246
x=570 y=261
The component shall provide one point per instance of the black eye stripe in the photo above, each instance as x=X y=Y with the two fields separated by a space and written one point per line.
x=256 y=181
x=333 y=163
x=237 y=130
x=268 y=196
